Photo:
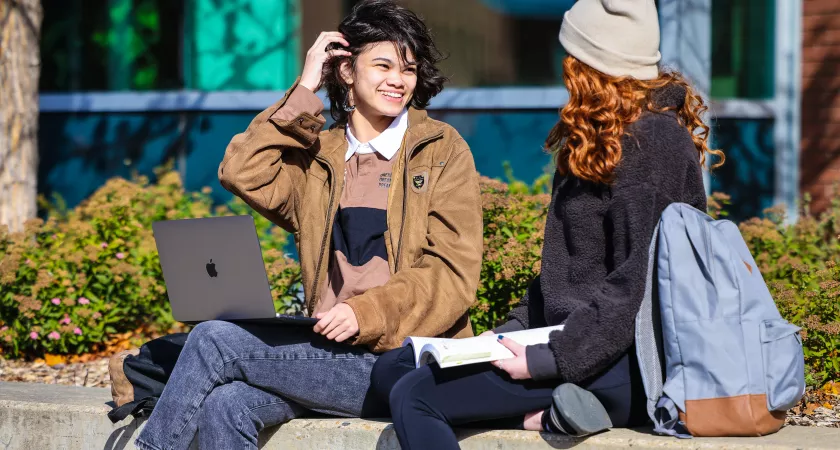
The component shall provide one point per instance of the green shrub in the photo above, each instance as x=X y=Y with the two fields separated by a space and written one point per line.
x=84 y=275
x=799 y=263
x=786 y=252
x=813 y=305
x=514 y=224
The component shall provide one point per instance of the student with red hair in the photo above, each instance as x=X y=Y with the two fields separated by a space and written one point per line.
x=629 y=142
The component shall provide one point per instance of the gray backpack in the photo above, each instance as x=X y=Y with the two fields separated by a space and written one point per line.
x=733 y=365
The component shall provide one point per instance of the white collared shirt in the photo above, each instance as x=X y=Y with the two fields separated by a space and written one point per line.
x=386 y=144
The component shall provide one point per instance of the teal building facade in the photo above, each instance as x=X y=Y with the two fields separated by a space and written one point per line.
x=128 y=85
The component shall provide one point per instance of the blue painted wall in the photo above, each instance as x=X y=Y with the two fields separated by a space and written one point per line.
x=80 y=151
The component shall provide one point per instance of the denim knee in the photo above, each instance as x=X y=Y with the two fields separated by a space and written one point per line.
x=209 y=330
x=221 y=404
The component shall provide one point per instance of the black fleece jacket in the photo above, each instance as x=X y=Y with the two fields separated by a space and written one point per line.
x=594 y=257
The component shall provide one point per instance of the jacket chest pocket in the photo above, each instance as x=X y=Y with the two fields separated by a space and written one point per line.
x=418 y=179
x=417 y=190
x=422 y=177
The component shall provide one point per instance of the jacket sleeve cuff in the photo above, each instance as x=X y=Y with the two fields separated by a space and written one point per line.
x=371 y=325
x=509 y=327
x=541 y=364
x=300 y=113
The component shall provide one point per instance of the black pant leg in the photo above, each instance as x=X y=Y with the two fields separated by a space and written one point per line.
x=388 y=370
x=427 y=402
x=619 y=388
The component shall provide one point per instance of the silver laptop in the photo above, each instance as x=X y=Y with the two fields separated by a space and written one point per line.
x=213 y=269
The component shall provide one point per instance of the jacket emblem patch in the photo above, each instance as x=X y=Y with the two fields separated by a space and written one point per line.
x=419 y=182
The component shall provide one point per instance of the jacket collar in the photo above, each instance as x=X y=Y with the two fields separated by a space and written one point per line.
x=420 y=128
x=386 y=144
x=671 y=96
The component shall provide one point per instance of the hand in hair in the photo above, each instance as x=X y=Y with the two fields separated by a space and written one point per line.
x=318 y=55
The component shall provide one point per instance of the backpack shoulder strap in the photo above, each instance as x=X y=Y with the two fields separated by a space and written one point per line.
x=651 y=353
x=649 y=350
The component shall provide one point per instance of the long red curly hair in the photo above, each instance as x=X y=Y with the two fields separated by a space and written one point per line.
x=587 y=139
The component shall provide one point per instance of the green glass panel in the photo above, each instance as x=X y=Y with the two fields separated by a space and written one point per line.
x=242 y=44
x=743 y=48
x=110 y=45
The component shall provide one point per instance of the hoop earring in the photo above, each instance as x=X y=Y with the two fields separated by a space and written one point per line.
x=347 y=103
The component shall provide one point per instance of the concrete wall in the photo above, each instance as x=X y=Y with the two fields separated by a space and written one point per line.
x=51 y=417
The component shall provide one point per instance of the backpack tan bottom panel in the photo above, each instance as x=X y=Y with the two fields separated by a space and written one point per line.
x=743 y=415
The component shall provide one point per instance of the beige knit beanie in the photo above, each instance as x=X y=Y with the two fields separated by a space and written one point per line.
x=615 y=37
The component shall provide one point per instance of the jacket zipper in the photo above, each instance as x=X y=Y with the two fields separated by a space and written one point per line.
x=408 y=156
x=326 y=234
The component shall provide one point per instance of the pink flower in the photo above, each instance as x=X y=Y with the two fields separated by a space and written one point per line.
x=65 y=320
x=28 y=262
x=54 y=335
x=4 y=328
x=120 y=255
x=54 y=236
x=77 y=331
x=83 y=301
x=33 y=335
x=104 y=245
x=56 y=301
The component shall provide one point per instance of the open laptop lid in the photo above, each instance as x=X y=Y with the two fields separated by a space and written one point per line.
x=213 y=269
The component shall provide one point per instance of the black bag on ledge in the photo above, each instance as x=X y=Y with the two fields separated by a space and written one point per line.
x=138 y=376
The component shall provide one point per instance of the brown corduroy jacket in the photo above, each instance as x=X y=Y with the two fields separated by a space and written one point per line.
x=291 y=172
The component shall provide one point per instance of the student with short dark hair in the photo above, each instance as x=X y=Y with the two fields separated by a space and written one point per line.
x=630 y=141
x=386 y=213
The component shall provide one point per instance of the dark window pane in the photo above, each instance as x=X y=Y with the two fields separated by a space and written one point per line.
x=749 y=172
x=111 y=45
x=743 y=38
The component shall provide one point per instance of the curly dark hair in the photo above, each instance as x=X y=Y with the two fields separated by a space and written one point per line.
x=373 y=21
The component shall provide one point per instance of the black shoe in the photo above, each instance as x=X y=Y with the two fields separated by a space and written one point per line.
x=577 y=412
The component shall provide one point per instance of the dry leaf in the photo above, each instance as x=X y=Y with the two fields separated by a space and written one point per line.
x=53 y=360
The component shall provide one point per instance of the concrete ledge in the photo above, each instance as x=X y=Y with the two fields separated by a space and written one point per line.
x=38 y=416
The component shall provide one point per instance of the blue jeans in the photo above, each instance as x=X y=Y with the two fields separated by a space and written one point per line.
x=233 y=380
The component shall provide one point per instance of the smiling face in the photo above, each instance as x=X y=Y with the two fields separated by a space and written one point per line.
x=382 y=84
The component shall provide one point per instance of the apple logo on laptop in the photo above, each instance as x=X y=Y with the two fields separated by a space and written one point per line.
x=211 y=269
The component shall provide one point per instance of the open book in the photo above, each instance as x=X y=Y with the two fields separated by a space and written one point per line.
x=458 y=352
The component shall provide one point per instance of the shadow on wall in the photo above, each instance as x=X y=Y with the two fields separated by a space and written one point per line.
x=820 y=144
x=79 y=152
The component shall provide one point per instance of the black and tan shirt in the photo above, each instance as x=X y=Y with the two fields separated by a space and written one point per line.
x=359 y=259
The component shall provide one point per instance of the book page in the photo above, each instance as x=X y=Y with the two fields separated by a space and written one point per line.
x=418 y=343
x=454 y=352
x=532 y=336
